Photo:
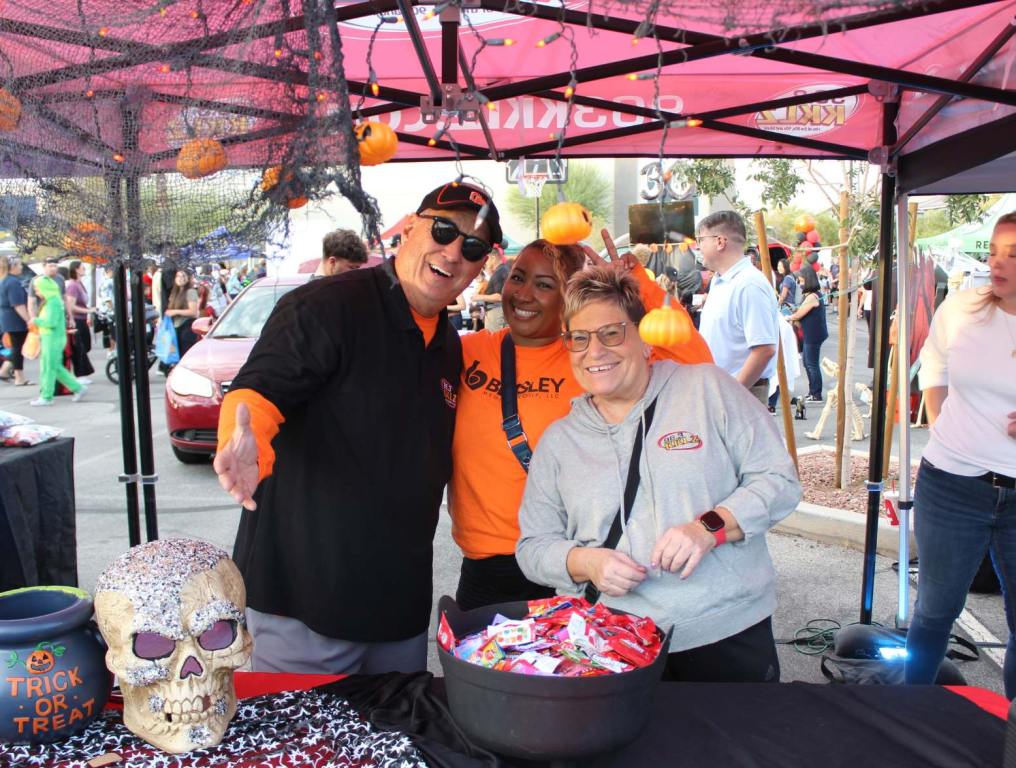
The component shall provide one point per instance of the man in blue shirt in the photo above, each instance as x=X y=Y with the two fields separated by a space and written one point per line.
x=739 y=319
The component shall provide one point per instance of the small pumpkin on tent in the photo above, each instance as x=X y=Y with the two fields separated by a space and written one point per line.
x=377 y=142
x=270 y=178
x=89 y=241
x=566 y=223
x=287 y=187
x=10 y=110
x=666 y=326
x=200 y=157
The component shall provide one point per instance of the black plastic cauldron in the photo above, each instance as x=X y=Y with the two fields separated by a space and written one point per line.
x=53 y=678
x=542 y=718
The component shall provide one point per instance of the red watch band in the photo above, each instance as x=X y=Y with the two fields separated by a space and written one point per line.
x=720 y=534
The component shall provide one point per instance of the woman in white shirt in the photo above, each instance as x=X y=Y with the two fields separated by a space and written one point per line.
x=965 y=498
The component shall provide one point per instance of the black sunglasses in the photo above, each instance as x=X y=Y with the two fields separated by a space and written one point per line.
x=445 y=231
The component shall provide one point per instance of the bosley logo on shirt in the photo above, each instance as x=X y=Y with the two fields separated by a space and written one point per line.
x=450 y=396
x=680 y=441
x=477 y=378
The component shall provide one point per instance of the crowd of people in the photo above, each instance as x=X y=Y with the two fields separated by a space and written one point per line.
x=578 y=459
x=48 y=314
x=54 y=313
x=363 y=378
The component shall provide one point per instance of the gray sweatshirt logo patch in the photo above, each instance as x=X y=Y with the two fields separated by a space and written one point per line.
x=681 y=440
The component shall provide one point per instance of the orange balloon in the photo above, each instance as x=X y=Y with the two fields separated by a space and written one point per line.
x=805 y=223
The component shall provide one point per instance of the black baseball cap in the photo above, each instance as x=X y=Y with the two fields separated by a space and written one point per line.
x=458 y=195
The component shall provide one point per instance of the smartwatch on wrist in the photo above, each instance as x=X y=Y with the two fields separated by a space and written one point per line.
x=713 y=522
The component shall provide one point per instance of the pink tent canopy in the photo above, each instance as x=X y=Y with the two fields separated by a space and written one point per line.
x=779 y=79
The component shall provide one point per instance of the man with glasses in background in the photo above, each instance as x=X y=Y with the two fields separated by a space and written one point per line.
x=739 y=321
x=336 y=439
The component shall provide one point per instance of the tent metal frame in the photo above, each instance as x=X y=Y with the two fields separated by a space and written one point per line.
x=696 y=46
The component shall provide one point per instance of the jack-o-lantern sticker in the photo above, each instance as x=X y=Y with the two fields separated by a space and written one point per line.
x=43 y=658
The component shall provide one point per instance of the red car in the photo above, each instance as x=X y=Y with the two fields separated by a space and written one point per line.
x=196 y=386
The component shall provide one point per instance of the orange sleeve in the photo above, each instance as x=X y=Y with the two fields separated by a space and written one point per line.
x=652 y=294
x=693 y=351
x=265 y=420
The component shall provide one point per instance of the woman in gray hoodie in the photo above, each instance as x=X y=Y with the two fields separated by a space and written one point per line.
x=714 y=477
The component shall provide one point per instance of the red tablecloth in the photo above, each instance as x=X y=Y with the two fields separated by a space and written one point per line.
x=249 y=684
x=989 y=701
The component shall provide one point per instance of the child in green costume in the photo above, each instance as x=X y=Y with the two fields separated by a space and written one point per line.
x=51 y=323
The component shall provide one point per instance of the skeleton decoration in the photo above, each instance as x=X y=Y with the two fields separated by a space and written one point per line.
x=172 y=613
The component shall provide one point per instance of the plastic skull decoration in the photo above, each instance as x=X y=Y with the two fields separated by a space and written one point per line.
x=172 y=613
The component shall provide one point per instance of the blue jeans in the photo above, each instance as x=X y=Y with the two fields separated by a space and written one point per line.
x=812 y=368
x=956 y=520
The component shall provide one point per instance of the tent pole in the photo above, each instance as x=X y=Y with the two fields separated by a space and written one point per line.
x=130 y=459
x=890 y=109
x=903 y=223
x=131 y=129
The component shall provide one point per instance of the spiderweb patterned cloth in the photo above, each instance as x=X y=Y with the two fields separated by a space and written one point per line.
x=297 y=729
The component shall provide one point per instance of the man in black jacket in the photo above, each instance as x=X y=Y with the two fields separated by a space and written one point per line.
x=336 y=438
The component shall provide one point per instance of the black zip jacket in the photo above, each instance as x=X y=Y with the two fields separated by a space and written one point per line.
x=342 y=538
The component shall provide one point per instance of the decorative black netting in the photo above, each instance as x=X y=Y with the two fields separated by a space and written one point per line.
x=147 y=126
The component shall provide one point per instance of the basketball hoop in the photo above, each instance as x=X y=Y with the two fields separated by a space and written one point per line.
x=531 y=184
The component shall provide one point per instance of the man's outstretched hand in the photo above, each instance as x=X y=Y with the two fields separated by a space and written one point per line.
x=237 y=463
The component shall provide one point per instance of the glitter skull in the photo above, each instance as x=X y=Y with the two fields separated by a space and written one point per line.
x=172 y=613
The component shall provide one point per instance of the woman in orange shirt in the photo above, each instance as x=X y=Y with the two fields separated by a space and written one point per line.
x=488 y=476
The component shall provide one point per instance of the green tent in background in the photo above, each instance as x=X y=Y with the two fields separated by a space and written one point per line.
x=973 y=237
x=514 y=246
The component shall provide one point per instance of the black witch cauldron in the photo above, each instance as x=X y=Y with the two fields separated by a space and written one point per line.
x=543 y=718
x=53 y=678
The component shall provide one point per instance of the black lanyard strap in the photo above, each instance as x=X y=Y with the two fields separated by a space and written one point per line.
x=631 y=489
x=518 y=442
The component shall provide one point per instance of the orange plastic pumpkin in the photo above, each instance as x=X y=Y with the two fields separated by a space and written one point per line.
x=805 y=223
x=270 y=178
x=200 y=157
x=10 y=110
x=566 y=223
x=377 y=142
x=89 y=241
x=292 y=191
x=666 y=326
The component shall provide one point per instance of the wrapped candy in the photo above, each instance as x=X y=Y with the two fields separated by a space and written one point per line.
x=561 y=636
x=27 y=435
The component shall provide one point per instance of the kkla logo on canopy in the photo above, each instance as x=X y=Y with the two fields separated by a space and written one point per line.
x=808 y=119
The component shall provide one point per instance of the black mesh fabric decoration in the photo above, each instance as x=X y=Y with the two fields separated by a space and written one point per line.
x=109 y=91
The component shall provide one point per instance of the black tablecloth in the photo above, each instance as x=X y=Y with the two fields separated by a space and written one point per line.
x=804 y=724
x=38 y=542
x=727 y=725
x=693 y=725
